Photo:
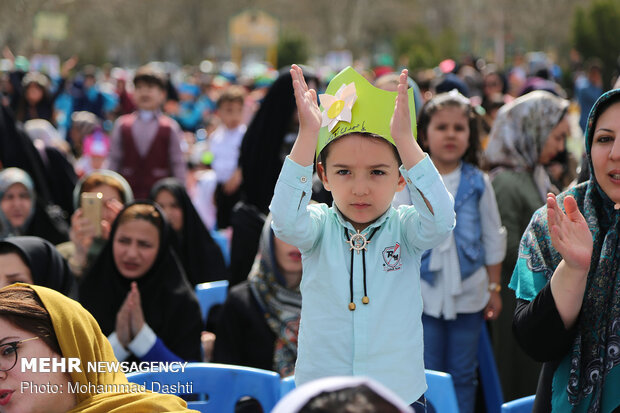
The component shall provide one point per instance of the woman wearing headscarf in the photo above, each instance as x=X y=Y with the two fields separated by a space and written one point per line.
x=201 y=257
x=21 y=213
x=567 y=280
x=33 y=260
x=39 y=322
x=527 y=134
x=85 y=245
x=259 y=322
x=138 y=292
x=266 y=143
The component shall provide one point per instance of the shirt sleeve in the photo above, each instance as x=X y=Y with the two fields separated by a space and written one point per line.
x=538 y=328
x=294 y=221
x=493 y=233
x=120 y=352
x=148 y=347
x=177 y=158
x=423 y=229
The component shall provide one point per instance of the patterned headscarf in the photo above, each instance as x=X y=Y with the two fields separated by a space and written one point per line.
x=520 y=132
x=588 y=377
x=281 y=305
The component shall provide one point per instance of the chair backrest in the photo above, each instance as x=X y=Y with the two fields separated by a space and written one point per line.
x=209 y=294
x=441 y=393
x=287 y=384
x=221 y=384
x=522 y=405
x=489 y=378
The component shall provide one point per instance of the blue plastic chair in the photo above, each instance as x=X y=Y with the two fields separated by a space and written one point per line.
x=287 y=384
x=210 y=294
x=222 y=242
x=522 y=405
x=220 y=385
x=441 y=392
x=489 y=378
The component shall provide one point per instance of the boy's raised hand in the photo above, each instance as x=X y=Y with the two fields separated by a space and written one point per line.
x=400 y=125
x=307 y=103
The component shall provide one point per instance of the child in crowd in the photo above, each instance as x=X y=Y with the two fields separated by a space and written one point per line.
x=95 y=156
x=146 y=145
x=361 y=317
x=460 y=277
x=225 y=143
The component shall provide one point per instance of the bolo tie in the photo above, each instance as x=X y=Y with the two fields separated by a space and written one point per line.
x=358 y=243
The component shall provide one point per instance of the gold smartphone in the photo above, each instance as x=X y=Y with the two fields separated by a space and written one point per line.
x=92 y=205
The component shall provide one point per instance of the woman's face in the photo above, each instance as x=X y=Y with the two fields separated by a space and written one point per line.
x=135 y=247
x=18 y=389
x=555 y=142
x=109 y=193
x=34 y=93
x=13 y=270
x=16 y=204
x=289 y=261
x=605 y=152
x=171 y=208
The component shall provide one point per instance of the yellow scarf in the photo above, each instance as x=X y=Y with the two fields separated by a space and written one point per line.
x=79 y=336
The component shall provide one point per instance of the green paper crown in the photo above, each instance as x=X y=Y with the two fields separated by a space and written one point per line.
x=370 y=109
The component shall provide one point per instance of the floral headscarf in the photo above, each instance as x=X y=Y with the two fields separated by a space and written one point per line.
x=281 y=305
x=588 y=377
x=520 y=132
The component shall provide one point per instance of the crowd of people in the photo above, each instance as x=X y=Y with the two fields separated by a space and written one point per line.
x=256 y=181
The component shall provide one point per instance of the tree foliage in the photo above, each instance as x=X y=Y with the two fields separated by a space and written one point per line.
x=596 y=33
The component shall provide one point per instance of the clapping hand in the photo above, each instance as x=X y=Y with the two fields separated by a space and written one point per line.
x=570 y=234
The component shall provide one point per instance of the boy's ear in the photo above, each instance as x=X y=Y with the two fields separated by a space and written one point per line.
x=401 y=183
x=320 y=169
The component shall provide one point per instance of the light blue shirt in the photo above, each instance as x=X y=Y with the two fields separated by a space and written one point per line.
x=382 y=339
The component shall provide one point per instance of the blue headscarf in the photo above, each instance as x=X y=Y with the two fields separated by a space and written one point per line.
x=588 y=376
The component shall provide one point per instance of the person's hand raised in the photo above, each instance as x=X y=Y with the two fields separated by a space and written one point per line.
x=400 y=124
x=307 y=103
x=570 y=234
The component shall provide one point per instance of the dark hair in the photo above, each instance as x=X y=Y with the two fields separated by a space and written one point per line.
x=442 y=101
x=234 y=94
x=358 y=399
x=325 y=151
x=145 y=212
x=151 y=76
x=22 y=308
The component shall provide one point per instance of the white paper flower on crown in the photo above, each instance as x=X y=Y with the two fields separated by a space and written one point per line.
x=338 y=107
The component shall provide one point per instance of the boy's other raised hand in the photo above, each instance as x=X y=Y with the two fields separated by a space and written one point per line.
x=400 y=125
x=307 y=103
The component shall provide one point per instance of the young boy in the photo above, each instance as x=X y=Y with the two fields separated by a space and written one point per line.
x=146 y=145
x=225 y=143
x=361 y=308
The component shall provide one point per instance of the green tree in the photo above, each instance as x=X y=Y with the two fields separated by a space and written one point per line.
x=596 y=33
x=424 y=50
x=292 y=48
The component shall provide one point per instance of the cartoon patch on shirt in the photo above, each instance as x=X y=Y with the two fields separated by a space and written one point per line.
x=391 y=258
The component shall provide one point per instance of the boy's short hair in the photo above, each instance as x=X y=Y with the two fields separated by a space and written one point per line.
x=233 y=93
x=149 y=75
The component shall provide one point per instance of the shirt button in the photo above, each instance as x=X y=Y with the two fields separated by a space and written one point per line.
x=408 y=180
x=303 y=179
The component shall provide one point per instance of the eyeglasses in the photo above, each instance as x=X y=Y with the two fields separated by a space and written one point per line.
x=8 y=353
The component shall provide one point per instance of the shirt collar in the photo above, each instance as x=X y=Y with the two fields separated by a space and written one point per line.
x=377 y=223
